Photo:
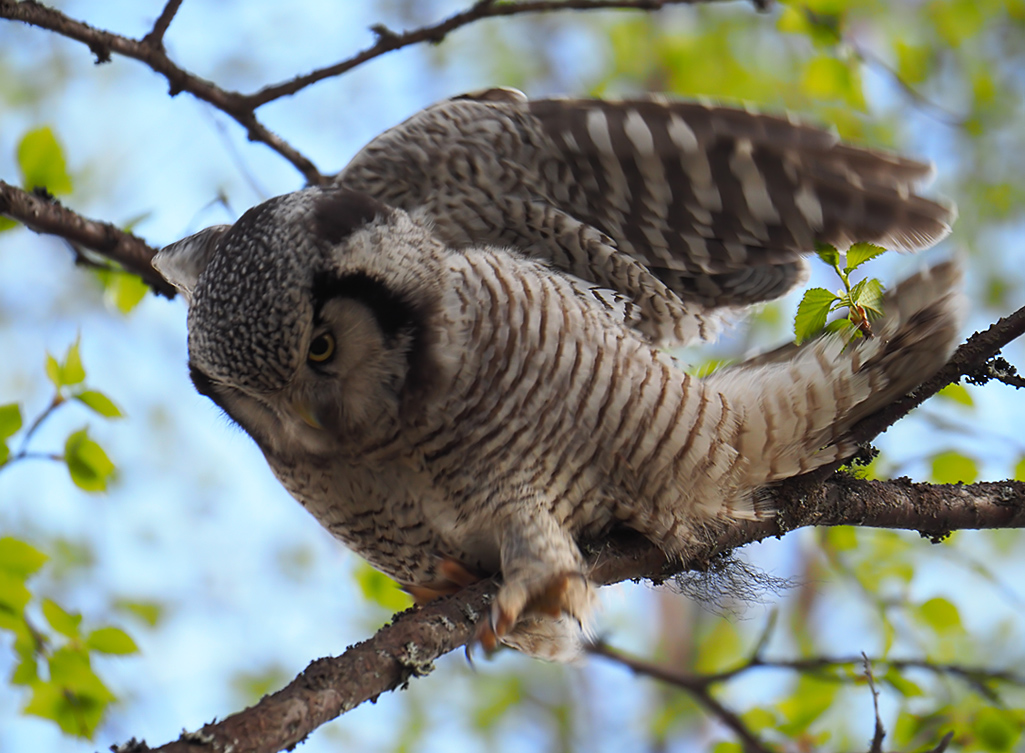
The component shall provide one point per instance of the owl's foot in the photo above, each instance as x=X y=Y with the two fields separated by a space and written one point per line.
x=453 y=576
x=567 y=593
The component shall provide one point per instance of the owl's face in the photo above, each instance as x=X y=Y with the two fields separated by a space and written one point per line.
x=302 y=325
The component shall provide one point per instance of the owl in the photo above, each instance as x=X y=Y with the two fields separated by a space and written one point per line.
x=454 y=355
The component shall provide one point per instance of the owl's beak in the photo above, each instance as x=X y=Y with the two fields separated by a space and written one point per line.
x=306 y=414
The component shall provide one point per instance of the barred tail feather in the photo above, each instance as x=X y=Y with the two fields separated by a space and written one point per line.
x=799 y=403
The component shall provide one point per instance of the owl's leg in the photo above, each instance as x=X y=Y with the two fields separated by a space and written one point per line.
x=542 y=571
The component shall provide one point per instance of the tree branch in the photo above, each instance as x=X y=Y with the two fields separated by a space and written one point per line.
x=408 y=646
x=389 y=41
x=968 y=360
x=156 y=37
x=150 y=50
x=242 y=107
x=699 y=685
x=44 y=215
x=695 y=685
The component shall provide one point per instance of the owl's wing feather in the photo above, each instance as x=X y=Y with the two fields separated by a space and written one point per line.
x=685 y=207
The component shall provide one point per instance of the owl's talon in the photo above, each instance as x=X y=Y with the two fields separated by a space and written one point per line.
x=566 y=593
x=485 y=637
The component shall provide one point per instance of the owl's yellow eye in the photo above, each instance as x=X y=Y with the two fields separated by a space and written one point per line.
x=322 y=348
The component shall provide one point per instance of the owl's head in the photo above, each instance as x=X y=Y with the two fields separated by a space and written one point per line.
x=309 y=316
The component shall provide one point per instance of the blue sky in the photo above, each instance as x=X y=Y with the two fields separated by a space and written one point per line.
x=195 y=519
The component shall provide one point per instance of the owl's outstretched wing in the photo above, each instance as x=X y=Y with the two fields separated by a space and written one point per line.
x=686 y=208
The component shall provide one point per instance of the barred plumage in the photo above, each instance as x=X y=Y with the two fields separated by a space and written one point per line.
x=472 y=387
x=686 y=208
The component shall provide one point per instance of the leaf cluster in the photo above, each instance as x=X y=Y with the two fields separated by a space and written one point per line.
x=863 y=299
x=55 y=657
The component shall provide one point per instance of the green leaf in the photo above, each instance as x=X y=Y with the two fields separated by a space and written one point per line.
x=860 y=253
x=26 y=672
x=6 y=223
x=67 y=372
x=795 y=20
x=126 y=291
x=913 y=61
x=121 y=289
x=842 y=538
x=721 y=648
x=812 y=312
x=14 y=594
x=111 y=640
x=705 y=368
x=868 y=294
x=957 y=393
x=99 y=402
x=956 y=20
x=88 y=464
x=381 y=589
x=150 y=612
x=72 y=371
x=53 y=371
x=940 y=614
x=951 y=467
x=1019 y=469
x=19 y=558
x=65 y=623
x=10 y=420
x=75 y=698
x=828 y=254
x=70 y=668
x=901 y=684
x=810 y=700
x=759 y=718
x=826 y=77
x=998 y=730
x=41 y=161
x=843 y=325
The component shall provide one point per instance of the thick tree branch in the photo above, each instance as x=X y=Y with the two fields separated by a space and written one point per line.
x=44 y=215
x=389 y=41
x=968 y=360
x=242 y=107
x=150 y=50
x=407 y=647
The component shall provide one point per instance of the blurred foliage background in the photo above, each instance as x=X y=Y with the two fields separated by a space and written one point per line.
x=154 y=576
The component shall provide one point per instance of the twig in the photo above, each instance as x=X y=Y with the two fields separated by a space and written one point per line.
x=58 y=400
x=944 y=742
x=46 y=216
x=999 y=369
x=937 y=112
x=156 y=37
x=880 y=732
x=696 y=685
x=867 y=57
x=53 y=456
